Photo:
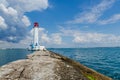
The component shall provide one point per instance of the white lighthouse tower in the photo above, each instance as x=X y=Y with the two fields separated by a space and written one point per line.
x=35 y=46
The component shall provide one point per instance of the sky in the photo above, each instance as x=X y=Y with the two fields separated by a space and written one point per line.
x=62 y=23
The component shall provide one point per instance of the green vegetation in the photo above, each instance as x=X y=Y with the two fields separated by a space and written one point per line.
x=90 y=77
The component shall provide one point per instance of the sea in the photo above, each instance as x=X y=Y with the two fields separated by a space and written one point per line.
x=105 y=60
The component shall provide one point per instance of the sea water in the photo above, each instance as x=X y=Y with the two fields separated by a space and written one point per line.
x=9 y=55
x=103 y=60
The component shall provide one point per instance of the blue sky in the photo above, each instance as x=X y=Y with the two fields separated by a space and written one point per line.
x=63 y=23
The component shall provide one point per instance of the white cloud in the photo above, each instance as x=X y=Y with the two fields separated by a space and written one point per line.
x=91 y=37
x=4 y=2
x=93 y=14
x=95 y=38
x=3 y=25
x=56 y=38
x=5 y=44
x=11 y=38
x=115 y=18
x=44 y=37
x=29 y=5
x=26 y=21
x=8 y=10
x=83 y=39
x=13 y=29
x=26 y=41
x=41 y=29
x=14 y=20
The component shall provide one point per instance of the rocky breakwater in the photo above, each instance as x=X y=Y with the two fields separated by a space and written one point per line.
x=47 y=65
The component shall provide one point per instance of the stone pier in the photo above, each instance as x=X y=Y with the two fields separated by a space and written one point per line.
x=47 y=65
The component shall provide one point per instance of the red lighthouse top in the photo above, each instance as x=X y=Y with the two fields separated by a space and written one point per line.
x=36 y=24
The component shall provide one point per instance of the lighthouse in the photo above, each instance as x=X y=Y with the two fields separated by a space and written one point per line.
x=35 y=35
x=35 y=46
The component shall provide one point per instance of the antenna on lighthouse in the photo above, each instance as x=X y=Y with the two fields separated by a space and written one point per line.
x=35 y=43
